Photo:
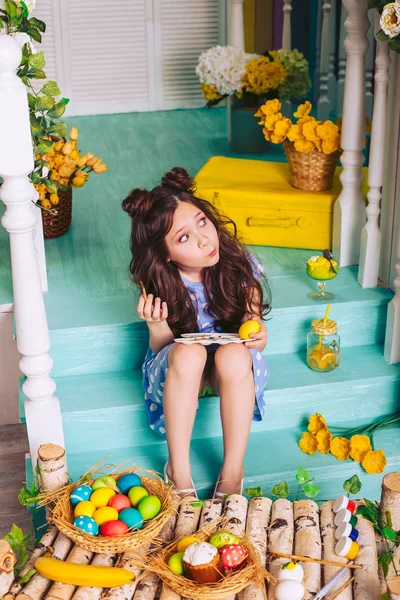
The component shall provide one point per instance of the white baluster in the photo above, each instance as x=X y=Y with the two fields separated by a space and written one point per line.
x=323 y=100
x=349 y=209
x=42 y=409
x=236 y=23
x=369 y=66
x=318 y=38
x=371 y=233
x=332 y=57
x=392 y=338
x=341 y=62
x=287 y=25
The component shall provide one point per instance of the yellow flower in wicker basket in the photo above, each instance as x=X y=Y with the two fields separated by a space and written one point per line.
x=316 y=423
x=324 y=438
x=304 y=146
x=303 y=110
x=360 y=445
x=272 y=120
x=271 y=106
x=327 y=130
x=330 y=146
x=305 y=119
x=309 y=130
x=308 y=443
x=295 y=133
x=276 y=139
x=282 y=127
x=340 y=448
x=374 y=462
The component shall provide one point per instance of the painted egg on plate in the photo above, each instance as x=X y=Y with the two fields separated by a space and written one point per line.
x=289 y=590
x=102 y=497
x=132 y=518
x=127 y=481
x=84 y=509
x=136 y=493
x=104 y=514
x=114 y=528
x=79 y=494
x=87 y=524
x=149 y=507
x=119 y=502
x=102 y=482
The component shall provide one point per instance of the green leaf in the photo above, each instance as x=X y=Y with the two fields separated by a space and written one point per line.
x=44 y=103
x=395 y=44
x=388 y=519
x=31 y=101
x=44 y=146
x=64 y=101
x=364 y=512
x=311 y=490
x=381 y=36
x=389 y=533
x=255 y=492
x=352 y=485
x=302 y=475
x=58 y=130
x=373 y=509
x=28 y=575
x=11 y=10
x=38 y=74
x=14 y=537
x=36 y=125
x=198 y=503
x=37 y=60
x=384 y=596
x=58 y=110
x=51 y=186
x=384 y=561
x=281 y=490
x=38 y=24
x=51 y=89
x=34 y=34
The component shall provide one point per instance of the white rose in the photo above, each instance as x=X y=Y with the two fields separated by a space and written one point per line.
x=22 y=39
x=390 y=19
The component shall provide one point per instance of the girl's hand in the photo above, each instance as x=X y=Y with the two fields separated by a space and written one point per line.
x=150 y=312
x=260 y=338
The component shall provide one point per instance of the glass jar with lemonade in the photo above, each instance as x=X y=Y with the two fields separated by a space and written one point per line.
x=323 y=346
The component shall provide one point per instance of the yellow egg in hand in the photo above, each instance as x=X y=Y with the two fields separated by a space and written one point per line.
x=248 y=327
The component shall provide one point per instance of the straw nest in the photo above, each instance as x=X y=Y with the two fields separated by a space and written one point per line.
x=62 y=513
x=252 y=572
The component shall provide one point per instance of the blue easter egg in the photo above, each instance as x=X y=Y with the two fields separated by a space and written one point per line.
x=81 y=493
x=87 y=524
x=131 y=517
x=127 y=481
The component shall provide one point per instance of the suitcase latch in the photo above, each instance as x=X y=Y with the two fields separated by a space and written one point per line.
x=282 y=223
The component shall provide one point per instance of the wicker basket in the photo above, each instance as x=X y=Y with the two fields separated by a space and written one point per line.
x=312 y=171
x=56 y=225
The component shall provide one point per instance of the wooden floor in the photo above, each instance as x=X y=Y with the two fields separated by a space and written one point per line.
x=13 y=446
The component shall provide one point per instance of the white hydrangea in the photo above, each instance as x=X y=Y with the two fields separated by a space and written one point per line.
x=224 y=67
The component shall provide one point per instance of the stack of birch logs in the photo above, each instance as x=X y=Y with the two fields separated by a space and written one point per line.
x=299 y=528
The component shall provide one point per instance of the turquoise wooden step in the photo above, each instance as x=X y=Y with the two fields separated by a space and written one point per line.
x=106 y=410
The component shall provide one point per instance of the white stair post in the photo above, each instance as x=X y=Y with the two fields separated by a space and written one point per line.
x=341 y=63
x=332 y=57
x=369 y=64
x=392 y=338
x=349 y=209
x=323 y=99
x=42 y=409
x=371 y=233
x=287 y=25
x=235 y=28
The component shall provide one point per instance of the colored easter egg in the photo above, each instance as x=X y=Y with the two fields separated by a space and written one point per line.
x=175 y=563
x=232 y=556
x=136 y=493
x=104 y=514
x=80 y=494
x=119 y=502
x=149 y=507
x=289 y=590
x=87 y=524
x=127 y=481
x=293 y=571
x=114 y=528
x=132 y=518
x=102 y=482
x=84 y=509
x=102 y=497
x=223 y=538
x=186 y=541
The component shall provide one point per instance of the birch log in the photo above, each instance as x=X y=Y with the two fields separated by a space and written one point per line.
x=307 y=542
x=94 y=593
x=381 y=548
x=64 y=591
x=235 y=511
x=41 y=549
x=258 y=516
x=393 y=584
x=390 y=503
x=52 y=464
x=280 y=538
x=366 y=583
x=38 y=585
x=328 y=548
x=127 y=561
x=212 y=511
x=7 y=562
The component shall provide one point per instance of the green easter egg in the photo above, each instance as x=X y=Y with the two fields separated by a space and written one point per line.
x=223 y=538
x=175 y=563
x=102 y=482
x=149 y=507
x=136 y=493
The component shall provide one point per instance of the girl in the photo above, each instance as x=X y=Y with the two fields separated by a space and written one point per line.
x=199 y=278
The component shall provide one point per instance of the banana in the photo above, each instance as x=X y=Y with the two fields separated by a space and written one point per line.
x=82 y=575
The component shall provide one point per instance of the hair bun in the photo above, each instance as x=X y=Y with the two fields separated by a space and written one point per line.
x=137 y=203
x=178 y=179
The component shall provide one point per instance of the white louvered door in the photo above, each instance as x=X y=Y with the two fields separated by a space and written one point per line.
x=48 y=11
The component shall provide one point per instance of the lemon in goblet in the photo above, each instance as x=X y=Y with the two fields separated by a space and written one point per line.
x=322 y=268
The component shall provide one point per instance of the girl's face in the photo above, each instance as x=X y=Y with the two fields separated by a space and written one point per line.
x=192 y=242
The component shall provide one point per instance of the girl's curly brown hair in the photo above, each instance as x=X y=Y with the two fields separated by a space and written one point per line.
x=230 y=286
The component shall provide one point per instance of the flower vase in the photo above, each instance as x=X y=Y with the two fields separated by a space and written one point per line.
x=55 y=225
x=246 y=134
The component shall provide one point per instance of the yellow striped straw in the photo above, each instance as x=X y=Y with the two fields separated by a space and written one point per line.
x=328 y=308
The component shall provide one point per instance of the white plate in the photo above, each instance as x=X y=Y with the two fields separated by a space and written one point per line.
x=210 y=338
x=211 y=334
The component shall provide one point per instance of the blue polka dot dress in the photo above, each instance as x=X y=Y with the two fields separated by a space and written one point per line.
x=155 y=366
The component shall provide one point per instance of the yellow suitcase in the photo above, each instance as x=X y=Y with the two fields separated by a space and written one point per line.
x=268 y=211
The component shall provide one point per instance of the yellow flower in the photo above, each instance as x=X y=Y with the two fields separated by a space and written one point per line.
x=100 y=168
x=324 y=438
x=263 y=75
x=359 y=446
x=282 y=127
x=374 y=462
x=272 y=120
x=309 y=131
x=271 y=107
x=316 y=423
x=210 y=92
x=58 y=145
x=46 y=204
x=277 y=139
x=329 y=146
x=54 y=199
x=294 y=133
x=303 y=110
x=304 y=146
x=82 y=160
x=73 y=133
x=328 y=130
x=67 y=148
x=340 y=448
x=267 y=134
x=74 y=154
x=308 y=443
x=305 y=119
x=78 y=181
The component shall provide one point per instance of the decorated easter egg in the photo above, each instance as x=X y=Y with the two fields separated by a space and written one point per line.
x=223 y=538
x=84 y=509
x=102 y=497
x=127 y=481
x=102 y=482
x=136 y=493
x=79 y=494
x=292 y=570
x=149 y=507
x=175 y=563
x=104 y=514
x=113 y=528
x=119 y=502
x=132 y=518
x=232 y=556
x=186 y=541
x=87 y=524
x=289 y=590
